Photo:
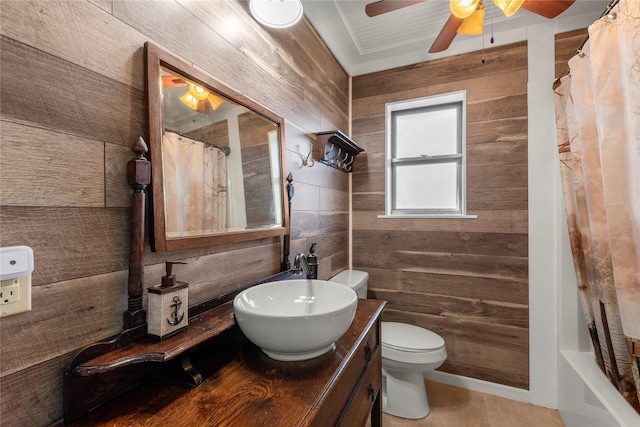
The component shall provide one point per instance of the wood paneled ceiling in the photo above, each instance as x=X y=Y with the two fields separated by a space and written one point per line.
x=402 y=37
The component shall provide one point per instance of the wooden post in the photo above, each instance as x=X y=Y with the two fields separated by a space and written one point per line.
x=138 y=176
x=285 y=265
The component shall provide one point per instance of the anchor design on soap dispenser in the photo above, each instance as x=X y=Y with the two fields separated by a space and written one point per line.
x=177 y=303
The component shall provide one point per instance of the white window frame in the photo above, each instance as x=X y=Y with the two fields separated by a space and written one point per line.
x=460 y=158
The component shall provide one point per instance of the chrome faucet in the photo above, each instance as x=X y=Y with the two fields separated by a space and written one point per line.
x=300 y=263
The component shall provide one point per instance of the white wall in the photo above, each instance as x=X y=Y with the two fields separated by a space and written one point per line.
x=543 y=219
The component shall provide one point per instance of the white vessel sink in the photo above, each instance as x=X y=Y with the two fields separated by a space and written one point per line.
x=295 y=319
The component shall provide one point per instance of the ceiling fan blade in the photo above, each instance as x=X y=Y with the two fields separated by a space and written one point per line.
x=384 y=6
x=447 y=34
x=547 y=8
x=172 y=81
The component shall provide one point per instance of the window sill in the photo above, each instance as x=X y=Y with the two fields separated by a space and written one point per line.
x=434 y=216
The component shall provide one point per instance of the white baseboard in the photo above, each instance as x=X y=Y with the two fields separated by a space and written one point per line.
x=479 y=385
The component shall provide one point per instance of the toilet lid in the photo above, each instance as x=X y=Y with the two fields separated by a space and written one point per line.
x=406 y=337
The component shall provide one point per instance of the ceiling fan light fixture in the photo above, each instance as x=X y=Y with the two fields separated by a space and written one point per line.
x=463 y=8
x=197 y=92
x=189 y=100
x=508 y=7
x=199 y=105
x=474 y=24
x=276 y=13
x=215 y=101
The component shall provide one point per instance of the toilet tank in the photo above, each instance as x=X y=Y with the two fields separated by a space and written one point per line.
x=355 y=279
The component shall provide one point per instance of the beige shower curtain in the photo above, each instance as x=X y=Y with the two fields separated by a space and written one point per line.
x=598 y=123
x=195 y=185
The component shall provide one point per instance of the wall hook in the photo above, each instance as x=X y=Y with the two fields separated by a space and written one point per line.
x=327 y=152
x=347 y=166
x=334 y=160
x=308 y=160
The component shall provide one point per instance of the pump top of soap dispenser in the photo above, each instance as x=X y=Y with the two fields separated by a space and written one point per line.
x=312 y=258
x=169 y=280
x=312 y=262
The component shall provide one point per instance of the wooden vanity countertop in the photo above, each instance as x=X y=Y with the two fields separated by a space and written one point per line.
x=242 y=386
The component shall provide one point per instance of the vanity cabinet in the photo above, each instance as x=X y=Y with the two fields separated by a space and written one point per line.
x=241 y=386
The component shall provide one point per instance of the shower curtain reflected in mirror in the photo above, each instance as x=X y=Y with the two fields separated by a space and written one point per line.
x=195 y=185
x=598 y=128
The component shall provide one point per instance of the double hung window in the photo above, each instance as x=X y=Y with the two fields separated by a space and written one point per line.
x=425 y=156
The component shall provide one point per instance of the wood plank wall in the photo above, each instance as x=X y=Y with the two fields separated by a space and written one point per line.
x=465 y=279
x=73 y=102
x=256 y=169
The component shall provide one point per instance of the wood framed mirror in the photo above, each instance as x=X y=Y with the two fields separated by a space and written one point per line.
x=217 y=159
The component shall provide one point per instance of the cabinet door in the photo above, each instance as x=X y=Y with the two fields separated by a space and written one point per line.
x=365 y=394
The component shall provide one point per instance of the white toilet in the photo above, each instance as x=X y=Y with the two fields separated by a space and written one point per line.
x=407 y=352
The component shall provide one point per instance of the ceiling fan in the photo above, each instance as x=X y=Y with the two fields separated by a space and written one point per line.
x=467 y=15
x=196 y=97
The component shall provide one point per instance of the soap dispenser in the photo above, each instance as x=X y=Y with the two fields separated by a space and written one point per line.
x=168 y=306
x=312 y=262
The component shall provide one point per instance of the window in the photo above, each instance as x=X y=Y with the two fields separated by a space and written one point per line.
x=425 y=157
x=276 y=183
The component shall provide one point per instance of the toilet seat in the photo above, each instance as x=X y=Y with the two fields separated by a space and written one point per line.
x=402 y=336
x=411 y=344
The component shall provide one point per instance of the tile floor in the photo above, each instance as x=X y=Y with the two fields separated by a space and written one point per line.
x=457 y=407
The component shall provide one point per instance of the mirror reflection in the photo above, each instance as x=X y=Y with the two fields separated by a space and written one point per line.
x=216 y=160
x=220 y=162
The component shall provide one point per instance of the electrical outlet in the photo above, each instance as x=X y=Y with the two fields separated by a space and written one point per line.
x=15 y=295
x=16 y=266
x=9 y=292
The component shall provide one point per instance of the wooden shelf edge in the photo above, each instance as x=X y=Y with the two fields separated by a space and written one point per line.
x=201 y=328
x=206 y=321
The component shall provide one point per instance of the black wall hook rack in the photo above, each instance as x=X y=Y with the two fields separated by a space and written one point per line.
x=337 y=150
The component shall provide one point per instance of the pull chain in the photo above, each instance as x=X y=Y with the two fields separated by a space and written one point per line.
x=492 y=13
x=491 y=39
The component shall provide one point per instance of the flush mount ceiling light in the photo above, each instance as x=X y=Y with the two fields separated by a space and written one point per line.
x=276 y=13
